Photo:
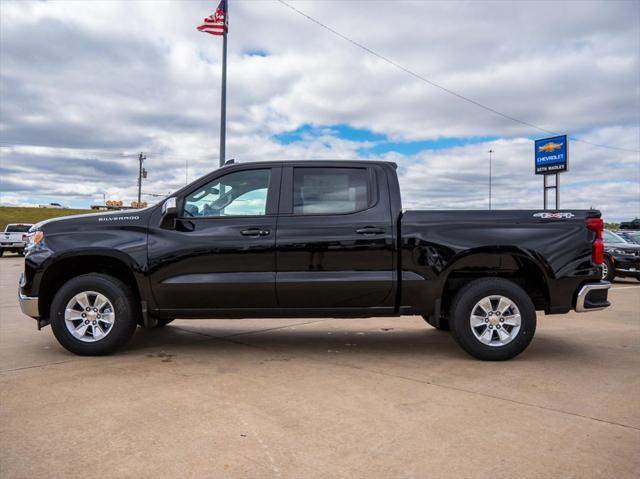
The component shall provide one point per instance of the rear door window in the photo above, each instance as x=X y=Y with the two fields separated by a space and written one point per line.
x=330 y=190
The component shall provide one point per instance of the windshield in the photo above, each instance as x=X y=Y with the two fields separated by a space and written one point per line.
x=610 y=237
x=17 y=228
x=635 y=237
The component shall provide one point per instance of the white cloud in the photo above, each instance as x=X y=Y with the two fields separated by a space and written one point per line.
x=83 y=83
x=459 y=178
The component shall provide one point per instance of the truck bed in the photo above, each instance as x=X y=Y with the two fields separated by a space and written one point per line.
x=556 y=244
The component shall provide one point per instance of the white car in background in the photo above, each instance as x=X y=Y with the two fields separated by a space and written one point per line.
x=14 y=238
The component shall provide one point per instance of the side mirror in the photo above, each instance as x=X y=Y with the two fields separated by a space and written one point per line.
x=169 y=213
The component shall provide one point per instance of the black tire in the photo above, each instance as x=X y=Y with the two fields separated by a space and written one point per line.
x=610 y=270
x=462 y=309
x=125 y=308
x=1 y=252
x=21 y=252
x=442 y=326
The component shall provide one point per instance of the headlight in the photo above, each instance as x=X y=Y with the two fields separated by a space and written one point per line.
x=34 y=238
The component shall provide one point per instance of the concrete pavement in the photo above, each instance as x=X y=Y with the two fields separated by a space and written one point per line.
x=322 y=398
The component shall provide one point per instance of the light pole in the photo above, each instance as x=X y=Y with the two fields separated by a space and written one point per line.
x=491 y=152
x=142 y=173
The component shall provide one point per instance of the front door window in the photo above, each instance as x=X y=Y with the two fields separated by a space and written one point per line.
x=243 y=193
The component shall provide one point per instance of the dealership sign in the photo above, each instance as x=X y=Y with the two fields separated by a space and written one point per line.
x=552 y=155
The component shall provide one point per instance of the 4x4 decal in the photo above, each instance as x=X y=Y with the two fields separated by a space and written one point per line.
x=554 y=216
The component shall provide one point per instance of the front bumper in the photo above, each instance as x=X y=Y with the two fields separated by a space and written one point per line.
x=593 y=297
x=626 y=265
x=29 y=305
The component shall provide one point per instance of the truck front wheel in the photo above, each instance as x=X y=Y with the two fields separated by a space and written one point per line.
x=93 y=315
x=493 y=319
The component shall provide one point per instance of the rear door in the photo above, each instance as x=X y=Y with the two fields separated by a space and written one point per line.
x=334 y=247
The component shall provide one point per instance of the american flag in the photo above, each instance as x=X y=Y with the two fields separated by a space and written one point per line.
x=218 y=23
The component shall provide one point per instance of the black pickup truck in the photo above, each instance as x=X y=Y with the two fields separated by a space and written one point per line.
x=310 y=239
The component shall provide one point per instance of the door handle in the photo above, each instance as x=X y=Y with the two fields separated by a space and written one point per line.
x=370 y=230
x=255 y=232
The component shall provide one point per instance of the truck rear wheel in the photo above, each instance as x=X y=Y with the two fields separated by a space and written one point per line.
x=93 y=315
x=493 y=319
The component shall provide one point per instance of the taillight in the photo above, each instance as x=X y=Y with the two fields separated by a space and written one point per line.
x=597 y=248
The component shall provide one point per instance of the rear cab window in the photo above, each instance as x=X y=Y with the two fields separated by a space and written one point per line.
x=17 y=228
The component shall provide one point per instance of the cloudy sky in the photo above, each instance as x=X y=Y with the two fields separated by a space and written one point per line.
x=86 y=85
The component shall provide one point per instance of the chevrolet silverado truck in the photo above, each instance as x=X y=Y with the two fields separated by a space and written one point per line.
x=310 y=239
x=14 y=238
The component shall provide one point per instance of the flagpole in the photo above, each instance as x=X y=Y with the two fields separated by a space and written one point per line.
x=223 y=100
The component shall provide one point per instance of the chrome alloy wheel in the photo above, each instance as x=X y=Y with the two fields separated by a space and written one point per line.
x=89 y=316
x=605 y=270
x=495 y=320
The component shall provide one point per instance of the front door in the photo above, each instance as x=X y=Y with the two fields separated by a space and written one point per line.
x=221 y=254
x=335 y=238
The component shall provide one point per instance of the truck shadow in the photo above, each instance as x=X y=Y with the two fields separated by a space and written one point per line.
x=345 y=342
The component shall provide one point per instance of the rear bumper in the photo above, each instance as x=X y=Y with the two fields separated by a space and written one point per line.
x=16 y=246
x=593 y=297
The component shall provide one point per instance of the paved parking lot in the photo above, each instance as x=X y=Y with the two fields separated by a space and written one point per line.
x=322 y=398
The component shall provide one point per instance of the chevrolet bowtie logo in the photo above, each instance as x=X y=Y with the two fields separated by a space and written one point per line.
x=549 y=147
